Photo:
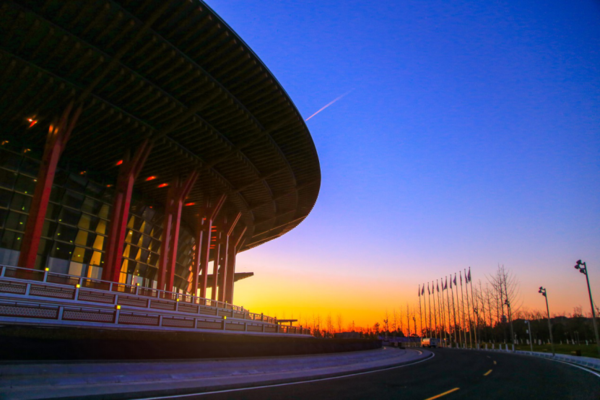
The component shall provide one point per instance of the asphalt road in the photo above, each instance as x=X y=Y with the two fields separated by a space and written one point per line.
x=471 y=374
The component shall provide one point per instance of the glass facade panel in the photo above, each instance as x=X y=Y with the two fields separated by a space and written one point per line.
x=11 y=240
x=96 y=258
x=76 y=268
x=76 y=221
x=101 y=227
x=76 y=183
x=69 y=216
x=78 y=254
x=82 y=238
x=3 y=215
x=29 y=166
x=74 y=200
x=21 y=202
x=53 y=211
x=57 y=193
x=16 y=221
x=66 y=233
x=98 y=242
x=25 y=184
x=9 y=160
x=62 y=250
x=49 y=229
x=5 y=198
x=7 y=178
x=104 y=211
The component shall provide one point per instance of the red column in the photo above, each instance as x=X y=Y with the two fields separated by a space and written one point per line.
x=58 y=136
x=203 y=244
x=178 y=191
x=216 y=262
x=226 y=233
x=128 y=172
x=236 y=243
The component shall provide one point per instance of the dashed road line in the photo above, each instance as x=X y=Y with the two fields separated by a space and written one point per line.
x=487 y=373
x=442 y=394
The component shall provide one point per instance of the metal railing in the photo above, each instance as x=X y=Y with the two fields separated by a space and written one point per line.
x=88 y=300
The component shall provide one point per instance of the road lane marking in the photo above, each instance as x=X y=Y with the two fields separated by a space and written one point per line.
x=442 y=394
x=580 y=367
x=487 y=373
x=181 y=396
x=494 y=362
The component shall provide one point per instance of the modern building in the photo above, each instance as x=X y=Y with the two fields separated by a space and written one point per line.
x=143 y=142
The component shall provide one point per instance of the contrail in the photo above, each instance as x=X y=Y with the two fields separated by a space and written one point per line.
x=348 y=92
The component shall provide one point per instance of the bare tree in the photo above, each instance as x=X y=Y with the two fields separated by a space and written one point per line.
x=386 y=320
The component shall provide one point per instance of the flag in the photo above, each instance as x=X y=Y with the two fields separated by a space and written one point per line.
x=438 y=286
x=460 y=274
x=419 y=291
x=450 y=281
x=423 y=290
x=455 y=279
x=446 y=285
x=469 y=276
x=428 y=292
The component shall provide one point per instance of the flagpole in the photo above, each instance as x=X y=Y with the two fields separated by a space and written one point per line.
x=448 y=302
x=443 y=320
x=468 y=310
x=420 y=312
x=429 y=301
x=435 y=324
x=476 y=314
x=462 y=306
x=456 y=337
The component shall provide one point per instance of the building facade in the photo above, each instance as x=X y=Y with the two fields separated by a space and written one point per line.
x=143 y=142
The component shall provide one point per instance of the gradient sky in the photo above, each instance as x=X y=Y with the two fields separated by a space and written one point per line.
x=471 y=138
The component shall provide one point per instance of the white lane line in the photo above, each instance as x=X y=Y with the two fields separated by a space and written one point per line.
x=181 y=396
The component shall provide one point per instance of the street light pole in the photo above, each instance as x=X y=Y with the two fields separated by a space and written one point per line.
x=529 y=330
x=512 y=334
x=543 y=292
x=582 y=267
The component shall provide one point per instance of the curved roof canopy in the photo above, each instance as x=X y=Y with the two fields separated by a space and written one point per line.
x=175 y=73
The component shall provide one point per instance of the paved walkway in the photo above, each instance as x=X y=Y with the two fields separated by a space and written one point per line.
x=145 y=379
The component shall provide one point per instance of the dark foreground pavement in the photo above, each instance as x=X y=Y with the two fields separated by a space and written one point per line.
x=451 y=374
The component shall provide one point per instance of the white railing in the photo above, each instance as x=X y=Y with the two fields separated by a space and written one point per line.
x=93 y=301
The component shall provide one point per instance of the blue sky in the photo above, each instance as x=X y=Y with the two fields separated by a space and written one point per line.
x=471 y=138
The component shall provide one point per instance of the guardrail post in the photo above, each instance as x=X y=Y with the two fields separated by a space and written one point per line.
x=160 y=318
x=137 y=288
x=117 y=312
x=224 y=321
x=27 y=289
x=262 y=317
x=61 y=310
x=3 y=271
